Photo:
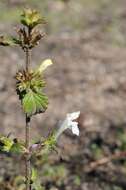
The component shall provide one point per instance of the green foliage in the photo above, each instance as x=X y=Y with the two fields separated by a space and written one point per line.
x=28 y=37
x=31 y=18
x=29 y=89
x=34 y=174
x=97 y=151
x=44 y=147
x=5 y=144
x=29 y=81
x=121 y=136
x=12 y=146
x=23 y=39
x=19 y=182
x=6 y=41
x=77 y=180
x=50 y=142
x=17 y=148
x=34 y=103
x=36 y=184
x=56 y=173
x=117 y=188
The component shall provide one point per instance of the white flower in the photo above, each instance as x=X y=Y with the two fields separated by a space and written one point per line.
x=69 y=123
x=44 y=65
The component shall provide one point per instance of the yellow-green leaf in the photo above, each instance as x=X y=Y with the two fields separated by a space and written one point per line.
x=31 y=18
x=5 y=144
x=34 y=103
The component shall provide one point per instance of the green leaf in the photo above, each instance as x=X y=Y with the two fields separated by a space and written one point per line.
x=10 y=145
x=16 y=41
x=6 y=41
x=50 y=142
x=5 y=144
x=36 y=182
x=31 y=18
x=34 y=102
x=17 y=148
x=34 y=174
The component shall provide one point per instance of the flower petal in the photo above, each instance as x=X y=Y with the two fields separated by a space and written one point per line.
x=73 y=116
x=44 y=65
x=62 y=128
x=68 y=123
x=75 y=129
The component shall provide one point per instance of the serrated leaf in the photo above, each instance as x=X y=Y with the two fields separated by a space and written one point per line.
x=34 y=103
x=16 y=41
x=31 y=18
x=6 y=41
x=5 y=144
x=17 y=148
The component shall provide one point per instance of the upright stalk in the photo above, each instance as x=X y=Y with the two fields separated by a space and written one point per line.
x=27 y=135
x=29 y=85
x=28 y=59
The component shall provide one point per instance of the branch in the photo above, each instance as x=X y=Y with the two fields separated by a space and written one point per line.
x=93 y=165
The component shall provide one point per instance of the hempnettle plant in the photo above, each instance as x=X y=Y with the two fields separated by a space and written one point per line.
x=29 y=88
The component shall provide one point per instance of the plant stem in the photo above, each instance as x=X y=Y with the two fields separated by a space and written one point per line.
x=27 y=134
x=28 y=162
x=28 y=59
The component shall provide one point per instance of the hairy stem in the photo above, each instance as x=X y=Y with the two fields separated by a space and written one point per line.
x=27 y=134
x=28 y=59
x=28 y=163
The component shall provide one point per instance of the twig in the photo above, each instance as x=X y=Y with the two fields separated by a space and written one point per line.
x=93 y=165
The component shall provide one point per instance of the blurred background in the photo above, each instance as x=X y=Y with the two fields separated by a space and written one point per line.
x=86 y=39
